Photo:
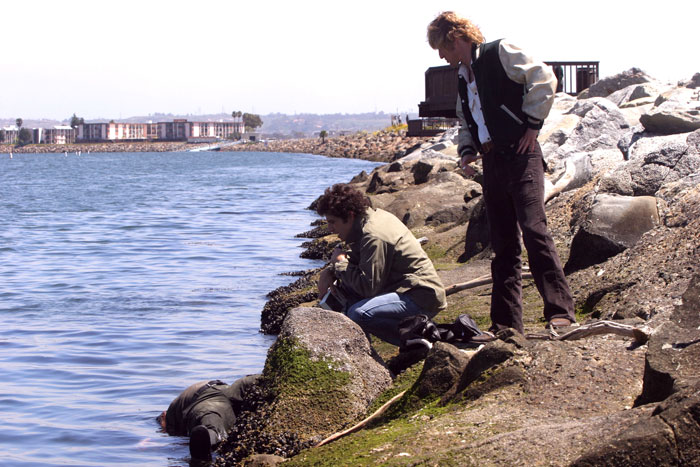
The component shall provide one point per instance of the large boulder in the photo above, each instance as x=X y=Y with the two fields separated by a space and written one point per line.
x=613 y=224
x=674 y=350
x=472 y=383
x=654 y=162
x=442 y=369
x=694 y=82
x=670 y=435
x=647 y=279
x=677 y=111
x=608 y=85
x=633 y=93
x=320 y=375
x=478 y=237
x=439 y=201
x=578 y=170
x=600 y=126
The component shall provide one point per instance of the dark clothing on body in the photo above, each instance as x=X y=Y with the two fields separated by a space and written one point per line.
x=514 y=183
x=213 y=404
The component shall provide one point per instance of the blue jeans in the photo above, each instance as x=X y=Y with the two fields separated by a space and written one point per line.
x=382 y=314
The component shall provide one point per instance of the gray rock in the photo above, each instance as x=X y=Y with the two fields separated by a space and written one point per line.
x=672 y=117
x=478 y=238
x=694 y=82
x=421 y=170
x=558 y=137
x=613 y=224
x=673 y=110
x=473 y=191
x=670 y=436
x=632 y=93
x=628 y=139
x=601 y=126
x=353 y=374
x=642 y=101
x=395 y=167
x=660 y=160
x=438 y=147
x=578 y=171
x=263 y=460
x=674 y=350
x=444 y=193
x=606 y=86
x=442 y=369
x=617 y=181
x=491 y=355
x=427 y=153
x=360 y=178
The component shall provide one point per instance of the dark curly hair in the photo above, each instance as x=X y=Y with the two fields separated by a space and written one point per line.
x=340 y=200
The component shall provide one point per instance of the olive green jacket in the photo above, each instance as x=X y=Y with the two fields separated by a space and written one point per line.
x=385 y=257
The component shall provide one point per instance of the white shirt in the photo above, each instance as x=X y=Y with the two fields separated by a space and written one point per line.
x=475 y=105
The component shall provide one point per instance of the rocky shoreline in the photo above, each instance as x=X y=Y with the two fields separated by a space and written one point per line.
x=381 y=146
x=85 y=148
x=624 y=183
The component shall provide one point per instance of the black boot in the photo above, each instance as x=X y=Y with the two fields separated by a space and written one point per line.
x=200 y=444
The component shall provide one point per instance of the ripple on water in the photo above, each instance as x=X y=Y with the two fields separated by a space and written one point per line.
x=124 y=278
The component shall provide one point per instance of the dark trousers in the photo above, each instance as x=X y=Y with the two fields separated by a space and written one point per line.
x=514 y=197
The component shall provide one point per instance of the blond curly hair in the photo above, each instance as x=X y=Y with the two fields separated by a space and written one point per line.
x=448 y=26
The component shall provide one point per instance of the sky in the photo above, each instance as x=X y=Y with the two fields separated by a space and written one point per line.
x=124 y=58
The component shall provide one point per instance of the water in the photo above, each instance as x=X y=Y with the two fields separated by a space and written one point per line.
x=126 y=277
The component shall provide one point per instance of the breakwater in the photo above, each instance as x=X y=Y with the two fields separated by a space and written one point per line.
x=381 y=146
x=84 y=148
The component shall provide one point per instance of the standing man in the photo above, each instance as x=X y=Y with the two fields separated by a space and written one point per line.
x=386 y=276
x=504 y=97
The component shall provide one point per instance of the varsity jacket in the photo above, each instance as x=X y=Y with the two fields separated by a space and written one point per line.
x=516 y=93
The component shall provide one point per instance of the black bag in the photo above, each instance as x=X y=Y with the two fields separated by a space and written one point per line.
x=464 y=328
x=416 y=332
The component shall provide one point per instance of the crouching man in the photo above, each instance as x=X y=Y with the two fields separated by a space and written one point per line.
x=385 y=277
x=205 y=412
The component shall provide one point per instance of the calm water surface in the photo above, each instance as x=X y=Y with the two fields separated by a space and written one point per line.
x=126 y=277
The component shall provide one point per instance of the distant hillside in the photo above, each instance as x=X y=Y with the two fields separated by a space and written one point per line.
x=276 y=124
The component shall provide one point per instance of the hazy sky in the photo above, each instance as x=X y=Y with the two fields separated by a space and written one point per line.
x=115 y=59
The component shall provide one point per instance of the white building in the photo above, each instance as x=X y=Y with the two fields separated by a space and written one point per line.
x=177 y=130
x=9 y=134
x=59 y=134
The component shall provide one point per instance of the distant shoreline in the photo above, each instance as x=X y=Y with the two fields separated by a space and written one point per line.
x=381 y=146
x=159 y=146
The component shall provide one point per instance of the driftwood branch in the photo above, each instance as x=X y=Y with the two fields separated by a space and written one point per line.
x=478 y=282
x=364 y=422
x=640 y=335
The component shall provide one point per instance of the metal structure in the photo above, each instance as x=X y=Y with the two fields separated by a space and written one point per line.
x=437 y=111
x=575 y=77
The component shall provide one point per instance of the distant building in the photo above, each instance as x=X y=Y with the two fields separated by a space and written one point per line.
x=113 y=131
x=60 y=134
x=217 y=130
x=177 y=130
x=9 y=134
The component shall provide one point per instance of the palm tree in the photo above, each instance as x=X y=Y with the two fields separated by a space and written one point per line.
x=323 y=135
x=19 y=123
x=237 y=114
